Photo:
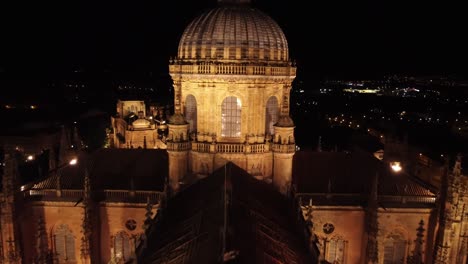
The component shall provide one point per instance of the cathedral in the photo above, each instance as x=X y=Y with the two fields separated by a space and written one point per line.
x=221 y=180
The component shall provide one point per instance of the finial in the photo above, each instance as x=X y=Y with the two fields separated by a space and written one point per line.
x=457 y=169
x=319 y=144
x=148 y=214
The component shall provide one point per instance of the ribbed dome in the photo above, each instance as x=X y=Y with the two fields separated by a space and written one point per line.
x=233 y=33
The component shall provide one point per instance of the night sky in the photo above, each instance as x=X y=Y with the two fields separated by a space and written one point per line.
x=328 y=39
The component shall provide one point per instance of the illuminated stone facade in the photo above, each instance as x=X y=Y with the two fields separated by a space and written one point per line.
x=92 y=212
x=132 y=128
x=232 y=81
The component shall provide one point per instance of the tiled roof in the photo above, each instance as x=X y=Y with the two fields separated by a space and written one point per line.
x=261 y=224
x=234 y=27
x=345 y=178
x=114 y=169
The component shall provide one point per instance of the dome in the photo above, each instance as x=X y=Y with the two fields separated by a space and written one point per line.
x=233 y=33
x=141 y=123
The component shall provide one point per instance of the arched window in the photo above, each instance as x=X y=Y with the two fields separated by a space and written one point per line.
x=394 y=249
x=272 y=112
x=122 y=248
x=191 y=112
x=231 y=117
x=64 y=243
x=336 y=250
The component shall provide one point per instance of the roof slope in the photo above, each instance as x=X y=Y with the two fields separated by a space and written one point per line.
x=114 y=169
x=261 y=224
x=341 y=174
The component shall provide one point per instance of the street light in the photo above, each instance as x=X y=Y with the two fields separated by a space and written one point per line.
x=73 y=161
x=396 y=166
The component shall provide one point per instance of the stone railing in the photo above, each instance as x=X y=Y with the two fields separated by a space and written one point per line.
x=51 y=194
x=407 y=199
x=100 y=195
x=230 y=148
x=232 y=69
x=178 y=146
x=206 y=147
x=288 y=148
x=359 y=198
x=259 y=148
x=201 y=147
x=134 y=196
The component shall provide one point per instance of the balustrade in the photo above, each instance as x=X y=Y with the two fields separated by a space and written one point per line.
x=232 y=69
x=288 y=148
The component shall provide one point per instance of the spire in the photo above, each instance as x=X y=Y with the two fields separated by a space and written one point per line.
x=148 y=214
x=372 y=223
x=42 y=248
x=52 y=158
x=77 y=144
x=86 y=239
x=442 y=254
x=463 y=249
x=448 y=205
x=416 y=258
x=457 y=167
x=10 y=174
x=309 y=214
x=9 y=231
x=64 y=146
x=329 y=189
x=319 y=144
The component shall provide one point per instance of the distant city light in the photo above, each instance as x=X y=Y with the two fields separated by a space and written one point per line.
x=30 y=157
x=73 y=161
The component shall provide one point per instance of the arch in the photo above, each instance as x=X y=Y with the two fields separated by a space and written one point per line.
x=122 y=246
x=336 y=249
x=231 y=117
x=271 y=115
x=191 y=112
x=395 y=246
x=64 y=244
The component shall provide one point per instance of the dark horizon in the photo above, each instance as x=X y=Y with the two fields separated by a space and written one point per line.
x=328 y=40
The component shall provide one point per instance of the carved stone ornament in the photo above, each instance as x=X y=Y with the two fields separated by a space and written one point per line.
x=328 y=228
x=130 y=224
